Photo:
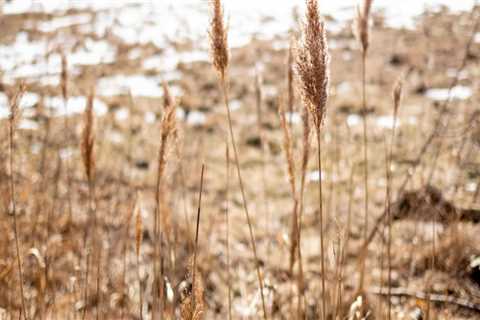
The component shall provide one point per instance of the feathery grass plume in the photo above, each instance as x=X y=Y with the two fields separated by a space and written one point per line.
x=397 y=96
x=14 y=104
x=218 y=39
x=168 y=125
x=192 y=305
x=361 y=30
x=288 y=148
x=313 y=62
x=88 y=139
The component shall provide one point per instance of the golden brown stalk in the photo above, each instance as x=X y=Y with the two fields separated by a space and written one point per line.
x=195 y=252
x=64 y=90
x=290 y=84
x=218 y=39
x=304 y=165
x=397 y=96
x=313 y=61
x=288 y=148
x=362 y=34
x=138 y=227
x=14 y=103
x=138 y=243
x=64 y=77
x=227 y=213
x=87 y=148
x=88 y=139
x=167 y=126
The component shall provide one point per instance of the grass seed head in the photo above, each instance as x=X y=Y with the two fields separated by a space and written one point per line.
x=218 y=38
x=88 y=138
x=361 y=28
x=397 y=94
x=313 y=64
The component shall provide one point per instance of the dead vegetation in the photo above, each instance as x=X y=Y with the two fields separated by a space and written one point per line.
x=113 y=215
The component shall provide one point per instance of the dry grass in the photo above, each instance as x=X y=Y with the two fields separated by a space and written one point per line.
x=114 y=217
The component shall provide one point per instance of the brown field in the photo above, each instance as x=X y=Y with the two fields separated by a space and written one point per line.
x=99 y=209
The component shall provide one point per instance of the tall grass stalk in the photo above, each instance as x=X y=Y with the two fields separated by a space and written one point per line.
x=64 y=76
x=195 y=252
x=137 y=213
x=397 y=97
x=14 y=115
x=263 y=146
x=313 y=62
x=87 y=148
x=362 y=33
x=304 y=166
x=167 y=127
x=288 y=148
x=227 y=235
x=218 y=39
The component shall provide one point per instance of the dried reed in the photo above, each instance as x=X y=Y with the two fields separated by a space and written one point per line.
x=304 y=165
x=313 y=61
x=14 y=104
x=64 y=76
x=167 y=129
x=219 y=48
x=137 y=212
x=362 y=32
x=288 y=149
x=397 y=96
x=195 y=252
x=227 y=235
x=87 y=148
